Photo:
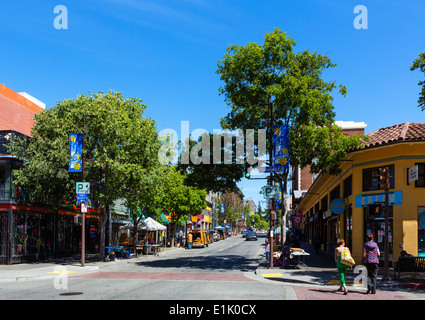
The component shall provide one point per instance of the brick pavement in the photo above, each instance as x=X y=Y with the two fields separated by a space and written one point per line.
x=316 y=293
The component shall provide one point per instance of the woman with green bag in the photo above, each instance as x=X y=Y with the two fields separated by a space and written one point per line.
x=342 y=268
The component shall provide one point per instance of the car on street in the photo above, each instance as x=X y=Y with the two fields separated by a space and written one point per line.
x=244 y=233
x=251 y=235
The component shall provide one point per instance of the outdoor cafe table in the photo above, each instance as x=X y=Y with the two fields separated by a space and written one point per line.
x=151 y=248
x=299 y=254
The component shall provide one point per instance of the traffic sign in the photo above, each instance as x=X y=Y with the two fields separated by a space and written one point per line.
x=270 y=192
x=82 y=197
x=83 y=187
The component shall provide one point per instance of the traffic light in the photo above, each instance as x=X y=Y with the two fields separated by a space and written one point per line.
x=247 y=170
x=384 y=178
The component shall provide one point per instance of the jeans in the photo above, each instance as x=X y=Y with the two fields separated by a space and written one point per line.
x=189 y=245
x=372 y=274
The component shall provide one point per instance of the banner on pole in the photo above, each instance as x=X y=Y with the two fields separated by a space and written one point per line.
x=280 y=147
x=76 y=147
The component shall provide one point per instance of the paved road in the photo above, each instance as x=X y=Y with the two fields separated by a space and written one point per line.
x=224 y=270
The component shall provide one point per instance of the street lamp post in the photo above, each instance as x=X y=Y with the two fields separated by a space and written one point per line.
x=83 y=222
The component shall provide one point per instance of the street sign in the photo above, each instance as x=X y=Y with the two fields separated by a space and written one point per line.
x=268 y=169
x=270 y=192
x=82 y=197
x=83 y=187
x=84 y=207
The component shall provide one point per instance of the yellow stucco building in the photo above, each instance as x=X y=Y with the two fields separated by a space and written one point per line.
x=398 y=147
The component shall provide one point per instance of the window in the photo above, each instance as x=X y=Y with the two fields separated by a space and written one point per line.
x=371 y=178
x=348 y=186
x=335 y=193
x=421 y=175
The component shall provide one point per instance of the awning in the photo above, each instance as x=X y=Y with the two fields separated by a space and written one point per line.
x=152 y=225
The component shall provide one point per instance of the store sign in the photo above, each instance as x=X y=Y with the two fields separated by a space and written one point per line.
x=413 y=174
x=337 y=206
x=327 y=214
x=363 y=200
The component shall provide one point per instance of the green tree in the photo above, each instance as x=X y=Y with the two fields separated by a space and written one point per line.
x=419 y=63
x=121 y=145
x=179 y=199
x=215 y=175
x=271 y=83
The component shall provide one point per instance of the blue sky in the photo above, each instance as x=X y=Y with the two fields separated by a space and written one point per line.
x=165 y=52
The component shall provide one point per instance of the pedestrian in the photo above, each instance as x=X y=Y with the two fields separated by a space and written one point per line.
x=267 y=251
x=180 y=238
x=342 y=268
x=371 y=261
x=317 y=243
x=189 y=240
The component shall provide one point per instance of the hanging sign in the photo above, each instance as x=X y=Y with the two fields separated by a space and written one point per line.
x=337 y=206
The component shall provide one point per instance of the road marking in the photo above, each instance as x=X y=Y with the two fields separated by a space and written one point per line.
x=62 y=272
x=184 y=265
x=347 y=282
x=272 y=275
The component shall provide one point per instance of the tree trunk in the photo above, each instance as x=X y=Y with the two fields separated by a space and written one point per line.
x=102 y=221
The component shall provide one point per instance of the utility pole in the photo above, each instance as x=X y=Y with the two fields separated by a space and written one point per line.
x=271 y=211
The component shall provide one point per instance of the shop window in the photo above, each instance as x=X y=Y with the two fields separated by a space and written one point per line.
x=4 y=180
x=335 y=193
x=371 y=178
x=421 y=175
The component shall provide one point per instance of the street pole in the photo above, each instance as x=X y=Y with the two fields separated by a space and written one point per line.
x=271 y=183
x=83 y=222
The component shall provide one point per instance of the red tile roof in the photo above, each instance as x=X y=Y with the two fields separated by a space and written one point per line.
x=414 y=131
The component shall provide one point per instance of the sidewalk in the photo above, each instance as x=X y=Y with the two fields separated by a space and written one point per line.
x=50 y=269
x=321 y=271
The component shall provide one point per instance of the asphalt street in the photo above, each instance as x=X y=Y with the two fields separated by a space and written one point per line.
x=223 y=271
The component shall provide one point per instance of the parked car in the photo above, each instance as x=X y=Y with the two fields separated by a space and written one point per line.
x=211 y=233
x=251 y=235
x=200 y=238
x=215 y=235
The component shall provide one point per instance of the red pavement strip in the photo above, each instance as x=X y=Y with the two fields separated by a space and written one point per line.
x=308 y=293
x=191 y=276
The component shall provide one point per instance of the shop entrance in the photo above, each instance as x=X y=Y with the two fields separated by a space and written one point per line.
x=375 y=224
x=421 y=231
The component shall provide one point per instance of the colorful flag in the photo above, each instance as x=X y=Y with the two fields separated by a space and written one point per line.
x=76 y=147
x=281 y=147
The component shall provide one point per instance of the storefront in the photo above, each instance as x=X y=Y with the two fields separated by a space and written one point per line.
x=358 y=188
x=29 y=233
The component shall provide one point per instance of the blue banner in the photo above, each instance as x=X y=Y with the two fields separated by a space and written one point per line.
x=280 y=147
x=76 y=147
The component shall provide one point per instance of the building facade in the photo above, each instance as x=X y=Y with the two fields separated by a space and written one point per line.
x=399 y=148
x=31 y=231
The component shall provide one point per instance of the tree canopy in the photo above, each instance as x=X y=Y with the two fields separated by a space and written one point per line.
x=419 y=63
